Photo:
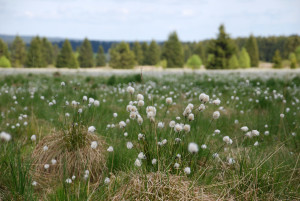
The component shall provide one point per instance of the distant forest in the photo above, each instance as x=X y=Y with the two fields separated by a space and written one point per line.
x=221 y=52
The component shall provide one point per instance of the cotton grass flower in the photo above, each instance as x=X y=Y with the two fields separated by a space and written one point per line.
x=193 y=148
x=96 y=103
x=53 y=162
x=46 y=166
x=129 y=145
x=138 y=162
x=178 y=128
x=110 y=149
x=160 y=125
x=187 y=170
x=45 y=148
x=154 y=161
x=94 y=145
x=169 y=100
x=203 y=98
x=106 y=180
x=115 y=115
x=244 y=128
x=33 y=138
x=34 y=183
x=140 y=97
x=91 y=129
x=68 y=181
x=122 y=124
x=227 y=140
x=5 y=136
x=216 y=115
x=130 y=89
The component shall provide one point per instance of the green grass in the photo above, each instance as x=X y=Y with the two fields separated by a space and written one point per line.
x=269 y=171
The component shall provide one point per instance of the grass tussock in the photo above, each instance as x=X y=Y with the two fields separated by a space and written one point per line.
x=69 y=162
x=160 y=186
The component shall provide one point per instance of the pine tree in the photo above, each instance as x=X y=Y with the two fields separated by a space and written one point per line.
x=277 y=60
x=121 y=56
x=194 y=62
x=100 y=59
x=153 y=53
x=173 y=51
x=252 y=49
x=47 y=52
x=4 y=49
x=138 y=53
x=34 y=55
x=18 y=52
x=66 y=57
x=145 y=50
x=244 y=59
x=233 y=62
x=86 y=54
x=222 y=49
x=293 y=60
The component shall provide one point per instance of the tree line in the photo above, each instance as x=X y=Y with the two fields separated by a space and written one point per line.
x=223 y=52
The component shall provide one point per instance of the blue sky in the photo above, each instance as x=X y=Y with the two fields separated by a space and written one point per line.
x=148 y=19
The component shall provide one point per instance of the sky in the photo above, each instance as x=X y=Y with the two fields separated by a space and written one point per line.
x=130 y=20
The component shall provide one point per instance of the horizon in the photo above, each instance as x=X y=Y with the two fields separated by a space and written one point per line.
x=132 y=20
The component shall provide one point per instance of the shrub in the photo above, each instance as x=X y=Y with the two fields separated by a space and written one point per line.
x=4 y=62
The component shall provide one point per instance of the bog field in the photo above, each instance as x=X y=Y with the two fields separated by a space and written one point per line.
x=170 y=136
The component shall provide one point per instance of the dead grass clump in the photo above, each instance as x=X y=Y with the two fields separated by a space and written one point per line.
x=70 y=160
x=159 y=186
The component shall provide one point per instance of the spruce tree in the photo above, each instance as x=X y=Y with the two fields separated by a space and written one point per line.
x=86 y=54
x=34 y=55
x=233 y=62
x=173 y=51
x=244 y=59
x=222 y=49
x=47 y=52
x=100 y=59
x=277 y=60
x=145 y=50
x=138 y=53
x=4 y=49
x=194 y=62
x=153 y=53
x=66 y=57
x=293 y=60
x=252 y=49
x=18 y=52
x=121 y=56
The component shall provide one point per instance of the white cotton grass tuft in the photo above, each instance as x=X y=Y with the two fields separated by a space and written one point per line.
x=130 y=89
x=216 y=115
x=68 y=181
x=129 y=145
x=94 y=144
x=227 y=140
x=203 y=98
x=91 y=129
x=45 y=148
x=193 y=148
x=138 y=162
x=5 y=136
x=187 y=170
x=107 y=180
x=33 y=138
x=169 y=100
x=110 y=149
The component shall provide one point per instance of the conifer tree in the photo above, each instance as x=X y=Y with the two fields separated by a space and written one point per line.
x=138 y=53
x=4 y=49
x=200 y=51
x=18 y=52
x=47 y=52
x=34 y=55
x=222 y=49
x=66 y=57
x=297 y=52
x=252 y=49
x=145 y=50
x=233 y=62
x=277 y=60
x=173 y=51
x=86 y=54
x=100 y=59
x=293 y=60
x=153 y=53
x=244 y=59
x=121 y=56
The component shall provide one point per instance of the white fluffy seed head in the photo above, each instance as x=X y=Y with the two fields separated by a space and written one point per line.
x=216 y=115
x=193 y=148
x=94 y=145
x=187 y=170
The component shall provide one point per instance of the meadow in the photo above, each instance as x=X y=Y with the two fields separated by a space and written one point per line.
x=133 y=137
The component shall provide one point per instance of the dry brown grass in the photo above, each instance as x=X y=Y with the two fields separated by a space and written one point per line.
x=159 y=186
x=69 y=162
